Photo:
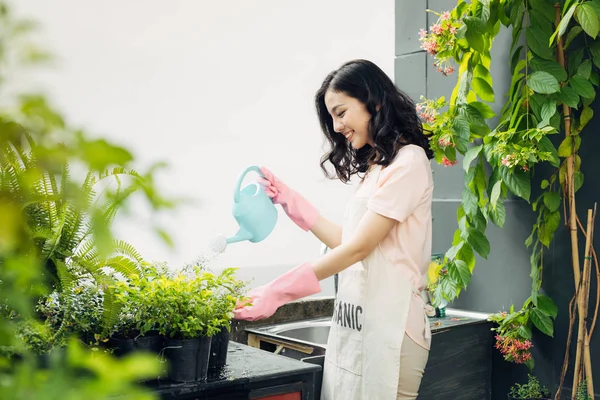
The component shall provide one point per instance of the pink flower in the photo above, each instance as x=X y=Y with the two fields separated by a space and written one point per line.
x=422 y=34
x=508 y=160
x=525 y=168
x=513 y=349
x=452 y=29
x=444 y=142
x=445 y=16
x=447 y=163
x=427 y=116
x=419 y=107
x=448 y=70
x=430 y=46
x=437 y=29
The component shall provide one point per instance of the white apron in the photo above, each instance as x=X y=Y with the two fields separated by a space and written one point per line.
x=362 y=361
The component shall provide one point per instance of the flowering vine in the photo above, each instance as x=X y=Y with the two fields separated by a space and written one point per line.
x=545 y=90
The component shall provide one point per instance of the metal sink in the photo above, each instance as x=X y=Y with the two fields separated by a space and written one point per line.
x=314 y=332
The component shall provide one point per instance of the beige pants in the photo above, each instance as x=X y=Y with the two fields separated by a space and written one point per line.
x=412 y=365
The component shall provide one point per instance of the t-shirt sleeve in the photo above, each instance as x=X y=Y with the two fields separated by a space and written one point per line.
x=401 y=187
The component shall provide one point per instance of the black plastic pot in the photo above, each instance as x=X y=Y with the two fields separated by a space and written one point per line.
x=121 y=347
x=218 y=349
x=187 y=358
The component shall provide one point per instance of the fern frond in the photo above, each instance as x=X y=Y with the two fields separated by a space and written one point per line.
x=94 y=267
x=124 y=265
x=66 y=278
x=126 y=249
x=111 y=308
x=84 y=249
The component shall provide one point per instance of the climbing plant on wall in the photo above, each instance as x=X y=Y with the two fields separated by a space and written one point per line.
x=554 y=62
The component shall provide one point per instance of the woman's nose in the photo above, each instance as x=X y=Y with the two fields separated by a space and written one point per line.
x=338 y=126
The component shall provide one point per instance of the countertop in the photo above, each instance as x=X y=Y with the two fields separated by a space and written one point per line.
x=245 y=366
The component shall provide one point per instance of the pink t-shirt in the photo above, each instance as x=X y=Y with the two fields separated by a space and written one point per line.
x=404 y=191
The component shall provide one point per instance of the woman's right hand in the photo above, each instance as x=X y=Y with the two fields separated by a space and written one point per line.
x=295 y=206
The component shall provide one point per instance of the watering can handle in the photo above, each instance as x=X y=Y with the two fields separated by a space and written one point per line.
x=236 y=192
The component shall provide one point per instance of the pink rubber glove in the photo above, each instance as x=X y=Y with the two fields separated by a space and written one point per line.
x=293 y=285
x=295 y=206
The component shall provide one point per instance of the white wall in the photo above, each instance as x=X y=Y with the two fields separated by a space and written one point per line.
x=210 y=87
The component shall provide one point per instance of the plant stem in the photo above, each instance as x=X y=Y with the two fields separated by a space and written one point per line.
x=572 y=224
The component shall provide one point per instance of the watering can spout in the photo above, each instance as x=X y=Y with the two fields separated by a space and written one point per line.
x=240 y=236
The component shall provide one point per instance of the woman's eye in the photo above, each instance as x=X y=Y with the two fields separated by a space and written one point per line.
x=340 y=115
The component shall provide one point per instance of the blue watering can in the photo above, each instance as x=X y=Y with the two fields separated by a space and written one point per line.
x=253 y=210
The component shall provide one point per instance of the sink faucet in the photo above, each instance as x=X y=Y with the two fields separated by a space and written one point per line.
x=324 y=250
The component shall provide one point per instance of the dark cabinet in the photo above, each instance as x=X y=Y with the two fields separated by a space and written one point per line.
x=460 y=364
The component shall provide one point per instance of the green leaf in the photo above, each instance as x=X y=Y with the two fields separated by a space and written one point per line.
x=550 y=66
x=544 y=184
x=547 y=306
x=463 y=272
x=569 y=96
x=496 y=190
x=466 y=254
x=474 y=34
x=543 y=82
x=481 y=71
x=564 y=22
x=586 y=16
x=475 y=120
x=525 y=332
x=546 y=145
x=595 y=49
x=530 y=364
x=582 y=86
x=453 y=251
x=552 y=200
x=541 y=7
x=575 y=59
x=548 y=110
x=578 y=178
x=462 y=132
x=537 y=40
x=595 y=4
x=586 y=116
x=483 y=89
x=585 y=69
x=469 y=202
x=475 y=24
x=471 y=154
x=542 y=322
x=498 y=214
x=485 y=110
x=517 y=181
x=479 y=242
x=594 y=78
x=576 y=30
x=552 y=221
x=566 y=147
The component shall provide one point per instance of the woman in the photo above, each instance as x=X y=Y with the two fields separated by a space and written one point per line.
x=380 y=337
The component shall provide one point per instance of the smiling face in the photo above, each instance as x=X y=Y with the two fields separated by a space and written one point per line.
x=350 y=118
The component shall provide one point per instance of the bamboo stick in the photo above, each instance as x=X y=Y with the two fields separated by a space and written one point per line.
x=582 y=303
x=572 y=224
x=587 y=359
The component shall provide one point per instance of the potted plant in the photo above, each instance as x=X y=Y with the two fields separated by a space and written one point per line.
x=136 y=326
x=187 y=321
x=532 y=390
x=227 y=291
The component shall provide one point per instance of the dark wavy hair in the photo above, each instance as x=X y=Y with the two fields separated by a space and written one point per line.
x=393 y=124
